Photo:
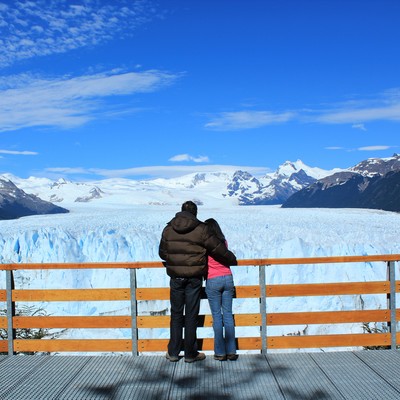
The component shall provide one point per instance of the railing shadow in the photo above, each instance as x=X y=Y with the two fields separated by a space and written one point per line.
x=250 y=377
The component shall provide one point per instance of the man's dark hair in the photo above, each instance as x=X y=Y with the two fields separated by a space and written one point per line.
x=190 y=207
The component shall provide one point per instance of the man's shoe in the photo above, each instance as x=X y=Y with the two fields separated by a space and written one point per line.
x=232 y=357
x=219 y=358
x=199 y=357
x=171 y=358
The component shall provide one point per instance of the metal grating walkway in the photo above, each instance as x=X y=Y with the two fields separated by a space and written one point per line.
x=342 y=375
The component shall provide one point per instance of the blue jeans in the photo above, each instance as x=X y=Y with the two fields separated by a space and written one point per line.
x=220 y=291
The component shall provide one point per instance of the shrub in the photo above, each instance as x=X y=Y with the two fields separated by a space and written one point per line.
x=26 y=333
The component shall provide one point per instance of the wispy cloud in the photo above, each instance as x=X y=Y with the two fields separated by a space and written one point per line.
x=27 y=101
x=359 y=126
x=65 y=171
x=374 y=148
x=364 y=148
x=187 y=157
x=382 y=107
x=41 y=27
x=239 y=120
x=22 y=153
x=152 y=172
x=352 y=115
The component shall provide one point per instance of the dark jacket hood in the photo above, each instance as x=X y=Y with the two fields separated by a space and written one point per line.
x=184 y=222
x=185 y=244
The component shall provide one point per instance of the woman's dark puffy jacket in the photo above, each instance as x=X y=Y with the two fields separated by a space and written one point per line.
x=185 y=244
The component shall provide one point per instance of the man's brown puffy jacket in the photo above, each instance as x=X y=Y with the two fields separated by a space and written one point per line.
x=185 y=244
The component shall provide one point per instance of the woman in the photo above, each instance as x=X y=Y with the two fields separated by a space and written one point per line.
x=220 y=290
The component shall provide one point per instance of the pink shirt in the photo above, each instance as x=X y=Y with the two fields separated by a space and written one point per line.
x=215 y=268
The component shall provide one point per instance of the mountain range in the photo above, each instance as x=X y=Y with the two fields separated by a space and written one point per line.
x=15 y=203
x=373 y=183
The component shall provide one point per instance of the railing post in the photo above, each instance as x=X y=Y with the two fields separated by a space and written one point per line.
x=263 y=308
x=10 y=311
x=391 y=303
x=132 y=272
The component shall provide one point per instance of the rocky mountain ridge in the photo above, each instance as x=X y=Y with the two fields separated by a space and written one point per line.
x=373 y=183
x=15 y=203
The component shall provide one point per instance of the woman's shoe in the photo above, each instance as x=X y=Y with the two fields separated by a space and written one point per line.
x=219 y=358
x=232 y=357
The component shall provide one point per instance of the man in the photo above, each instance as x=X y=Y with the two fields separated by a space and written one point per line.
x=185 y=244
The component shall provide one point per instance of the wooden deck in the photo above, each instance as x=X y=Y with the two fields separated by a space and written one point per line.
x=333 y=375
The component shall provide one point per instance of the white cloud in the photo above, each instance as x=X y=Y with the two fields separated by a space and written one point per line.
x=23 y=153
x=351 y=115
x=383 y=107
x=359 y=126
x=43 y=27
x=187 y=157
x=365 y=148
x=157 y=171
x=27 y=101
x=238 y=120
x=374 y=148
x=68 y=171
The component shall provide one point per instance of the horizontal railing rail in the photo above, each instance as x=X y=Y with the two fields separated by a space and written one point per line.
x=159 y=264
x=258 y=318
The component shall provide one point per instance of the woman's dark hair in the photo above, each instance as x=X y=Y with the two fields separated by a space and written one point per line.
x=215 y=228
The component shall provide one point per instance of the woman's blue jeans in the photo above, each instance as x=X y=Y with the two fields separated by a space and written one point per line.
x=220 y=291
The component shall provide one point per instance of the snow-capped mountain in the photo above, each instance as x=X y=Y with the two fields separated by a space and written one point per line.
x=15 y=203
x=227 y=188
x=373 y=183
x=244 y=186
x=276 y=187
x=61 y=191
x=94 y=193
x=220 y=188
x=377 y=166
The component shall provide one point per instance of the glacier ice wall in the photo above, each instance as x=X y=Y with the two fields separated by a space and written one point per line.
x=133 y=233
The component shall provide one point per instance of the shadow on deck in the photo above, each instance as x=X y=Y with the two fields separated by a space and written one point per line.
x=333 y=375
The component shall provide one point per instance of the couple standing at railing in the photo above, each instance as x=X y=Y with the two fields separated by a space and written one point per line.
x=193 y=250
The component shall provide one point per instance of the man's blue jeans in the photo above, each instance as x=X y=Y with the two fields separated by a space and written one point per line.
x=220 y=291
x=185 y=294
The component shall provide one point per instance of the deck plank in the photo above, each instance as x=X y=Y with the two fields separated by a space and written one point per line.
x=251 y=377
x=354 y=378
x=299 y=377
x=48 y=379
x=385 y=363
x=199 y=380
x=98 y=379
x=14 y=372
x=365 y=375
x=148 y=378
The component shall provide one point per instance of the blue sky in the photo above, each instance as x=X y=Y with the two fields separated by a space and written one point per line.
x=92 y=89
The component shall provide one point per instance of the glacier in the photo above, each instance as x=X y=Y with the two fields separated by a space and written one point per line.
x=131 y=232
